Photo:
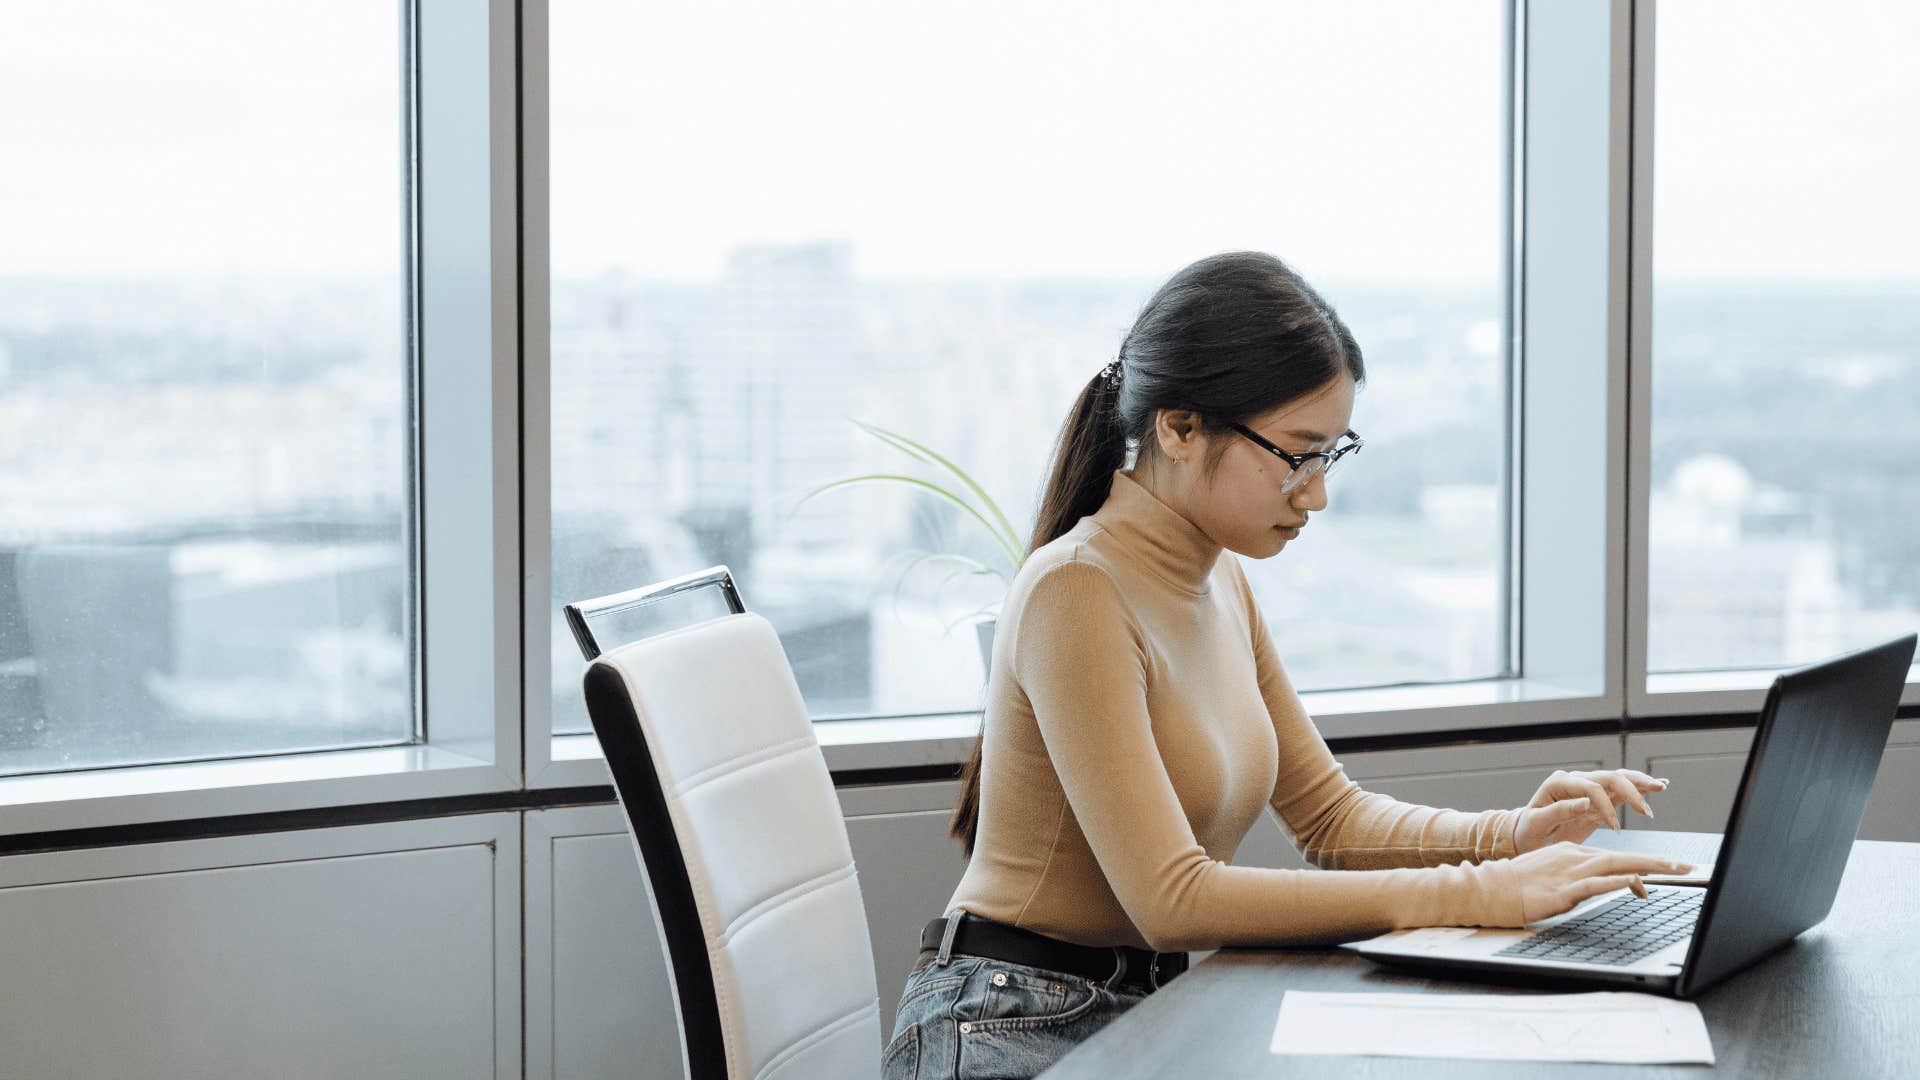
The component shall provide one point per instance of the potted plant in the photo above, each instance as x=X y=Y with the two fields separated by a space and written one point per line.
x=958 y=489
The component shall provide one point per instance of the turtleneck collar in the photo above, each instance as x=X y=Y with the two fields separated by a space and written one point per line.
x=1171 y=546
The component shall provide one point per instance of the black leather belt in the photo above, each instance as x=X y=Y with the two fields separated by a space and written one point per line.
x=1137 y=968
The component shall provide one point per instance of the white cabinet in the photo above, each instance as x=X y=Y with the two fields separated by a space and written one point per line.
x=375 y=950
x=908 y=869
x=1705 y=767
x=1893 y=810
x=598 y=1000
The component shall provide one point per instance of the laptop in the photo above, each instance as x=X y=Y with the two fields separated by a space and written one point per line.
x=1794 y=819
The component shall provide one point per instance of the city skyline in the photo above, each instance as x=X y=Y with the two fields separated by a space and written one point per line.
x=688 y=417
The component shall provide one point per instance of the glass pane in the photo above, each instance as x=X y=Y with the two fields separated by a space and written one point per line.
x=910 y=216
x=203 y=425
x=1786 y=332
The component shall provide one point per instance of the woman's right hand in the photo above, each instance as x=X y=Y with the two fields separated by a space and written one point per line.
x=1555 y=878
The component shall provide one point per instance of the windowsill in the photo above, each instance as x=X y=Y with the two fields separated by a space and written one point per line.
x=946 y=740
x=848 y=745
x=1442 y=707
x=1704 y=693
x=141 y=794
x=98 y=798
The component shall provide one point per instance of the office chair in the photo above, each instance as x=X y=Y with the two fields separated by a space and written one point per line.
x=747 y=863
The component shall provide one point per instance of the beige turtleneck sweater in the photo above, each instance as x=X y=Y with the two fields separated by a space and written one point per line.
x=1137 y=721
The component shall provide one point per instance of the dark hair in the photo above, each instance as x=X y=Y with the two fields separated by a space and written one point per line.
x=1228 y=337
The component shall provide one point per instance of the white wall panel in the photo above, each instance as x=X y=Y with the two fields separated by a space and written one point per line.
x=1705 y=768
x=372 y=951
x=908 y=869
x=392 y=950
x=599 y=1003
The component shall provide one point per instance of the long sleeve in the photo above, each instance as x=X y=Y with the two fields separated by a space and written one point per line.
x=1082 y=660
x=1338 y=824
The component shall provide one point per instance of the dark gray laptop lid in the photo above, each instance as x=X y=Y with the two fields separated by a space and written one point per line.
x=1799 y=806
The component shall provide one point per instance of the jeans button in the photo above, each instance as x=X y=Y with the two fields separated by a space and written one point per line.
x=966 y=1028
x=999 y=978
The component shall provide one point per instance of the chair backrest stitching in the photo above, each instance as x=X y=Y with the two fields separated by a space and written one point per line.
x=785 y=896
x=832 y=1027
x=745 y=761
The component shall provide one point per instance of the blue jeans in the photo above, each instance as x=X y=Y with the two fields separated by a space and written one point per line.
x=976 y=1019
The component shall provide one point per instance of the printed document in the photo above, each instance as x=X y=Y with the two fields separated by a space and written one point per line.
x=1610 y=1026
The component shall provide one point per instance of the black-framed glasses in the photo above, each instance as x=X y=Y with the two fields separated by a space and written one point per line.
x=1305 y=466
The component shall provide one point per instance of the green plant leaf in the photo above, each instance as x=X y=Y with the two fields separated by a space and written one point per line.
x=1006 y=545
x=971 y=566
x=1009 y=539
x=945 y=581
x=973 y=616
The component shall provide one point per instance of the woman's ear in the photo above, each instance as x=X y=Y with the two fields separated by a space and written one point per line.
x=1178 y=433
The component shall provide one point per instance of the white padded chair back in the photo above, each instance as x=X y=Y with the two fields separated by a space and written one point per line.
x=745 y=850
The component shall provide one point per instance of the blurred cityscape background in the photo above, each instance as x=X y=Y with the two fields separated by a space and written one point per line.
x=203 y=514
x=769 y=220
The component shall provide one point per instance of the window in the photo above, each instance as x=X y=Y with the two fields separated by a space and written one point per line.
x=205 y=517
x=1786 y=333
x=913 y=216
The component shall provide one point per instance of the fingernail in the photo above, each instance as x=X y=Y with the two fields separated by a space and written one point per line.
x=1664 y=781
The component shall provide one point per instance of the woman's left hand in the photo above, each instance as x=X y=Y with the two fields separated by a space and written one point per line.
x=1571 y=805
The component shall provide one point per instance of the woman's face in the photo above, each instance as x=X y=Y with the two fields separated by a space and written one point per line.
x=1241 y=507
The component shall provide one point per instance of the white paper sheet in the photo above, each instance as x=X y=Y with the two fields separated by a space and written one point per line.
x=1608 y=1026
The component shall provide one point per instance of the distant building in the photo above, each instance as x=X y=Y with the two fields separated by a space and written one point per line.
x=1739 y=575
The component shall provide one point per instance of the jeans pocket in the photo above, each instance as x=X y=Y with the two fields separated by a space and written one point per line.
x=933 y=980
x=1014 y=996
x=901 y=1059
x=1016 y=1028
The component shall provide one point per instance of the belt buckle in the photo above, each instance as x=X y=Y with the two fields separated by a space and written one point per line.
x=1159 y=976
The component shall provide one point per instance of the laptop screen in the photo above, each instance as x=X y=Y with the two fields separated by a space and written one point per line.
x=1799 y=806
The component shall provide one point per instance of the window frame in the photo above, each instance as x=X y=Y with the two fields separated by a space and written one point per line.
x=459 y=102
x=1648 y=694
x=1562 y=673
x=1578 y=226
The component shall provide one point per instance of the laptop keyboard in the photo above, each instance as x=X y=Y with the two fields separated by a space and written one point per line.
x=1617 y=932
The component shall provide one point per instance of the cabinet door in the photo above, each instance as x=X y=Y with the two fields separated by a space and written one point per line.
x=1476 y=776
x=908 y=869
x=1705 y=767
x=1893 y=810
x=598 y=999
x=366 y=950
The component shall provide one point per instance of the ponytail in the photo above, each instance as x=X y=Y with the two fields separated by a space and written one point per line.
x=1091 y=447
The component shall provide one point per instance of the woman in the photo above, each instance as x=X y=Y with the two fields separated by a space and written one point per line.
x=1138 y=719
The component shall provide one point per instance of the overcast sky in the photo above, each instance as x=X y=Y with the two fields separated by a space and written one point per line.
x=1356 y=139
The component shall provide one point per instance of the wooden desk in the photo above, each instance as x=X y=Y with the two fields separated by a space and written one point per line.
x=1841 y=1002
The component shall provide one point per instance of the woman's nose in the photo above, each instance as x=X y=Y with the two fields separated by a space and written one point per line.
x=1311 y=495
